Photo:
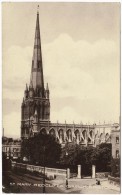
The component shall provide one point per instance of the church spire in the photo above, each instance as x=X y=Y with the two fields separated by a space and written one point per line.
x=37 y=67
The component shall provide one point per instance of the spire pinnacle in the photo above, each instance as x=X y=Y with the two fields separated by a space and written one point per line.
x=26 y=87
x=31 y=84
x=47 y=88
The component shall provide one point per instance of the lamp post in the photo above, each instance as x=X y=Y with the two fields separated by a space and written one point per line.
x=44 y=170
x=66 y=174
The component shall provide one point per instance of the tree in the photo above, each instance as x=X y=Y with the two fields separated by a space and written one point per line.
x=115 y=167
x=87 y=156
x=69 y=160
x=41 y=149
x=103 y=159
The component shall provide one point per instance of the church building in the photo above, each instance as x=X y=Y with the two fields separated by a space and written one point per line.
x=35 y=109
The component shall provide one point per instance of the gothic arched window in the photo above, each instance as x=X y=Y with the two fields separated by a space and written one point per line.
x=69 y=135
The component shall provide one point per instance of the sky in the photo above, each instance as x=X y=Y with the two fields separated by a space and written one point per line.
x=81 y=60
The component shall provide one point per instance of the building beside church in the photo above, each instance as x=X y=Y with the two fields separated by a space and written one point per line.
x=35 y=110
x=115 y=141
x=11 y=147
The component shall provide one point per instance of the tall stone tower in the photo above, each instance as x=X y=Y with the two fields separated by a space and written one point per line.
x=35 y=108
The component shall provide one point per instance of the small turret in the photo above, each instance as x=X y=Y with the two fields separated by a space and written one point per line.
x=23 y=102
x=26 y=87
x=22 y=109
x=31 y=90
x=26 y=92
x=47 y=92
x=47 y=88
x=31 y=85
